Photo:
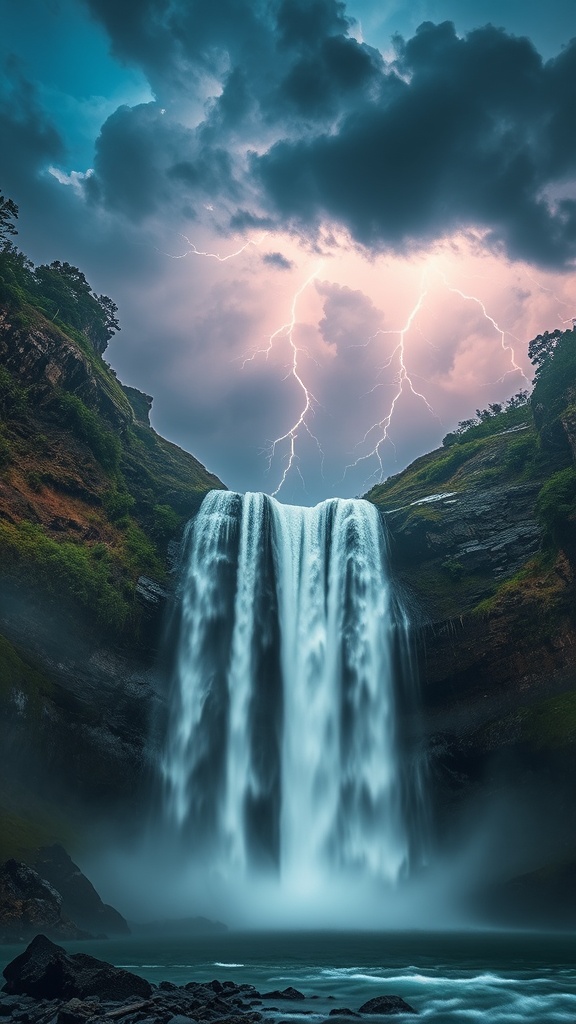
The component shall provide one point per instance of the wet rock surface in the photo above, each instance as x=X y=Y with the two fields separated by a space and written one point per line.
x=47 y=985
x=29 y=902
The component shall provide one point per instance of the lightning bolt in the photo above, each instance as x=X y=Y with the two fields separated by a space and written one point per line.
x=514 y=367
x=287 y=331
x=192 y=250
x=561 y=302
x=402 y=380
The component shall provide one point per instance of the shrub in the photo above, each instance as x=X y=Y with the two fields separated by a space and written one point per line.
x=118 y=504
x=87 y=427
x=556 y=500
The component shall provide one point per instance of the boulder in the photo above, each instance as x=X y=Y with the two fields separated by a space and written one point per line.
x=29 y=903
x=386 y=1005
x=47 y=971
x=80 y=901
x=286 y=993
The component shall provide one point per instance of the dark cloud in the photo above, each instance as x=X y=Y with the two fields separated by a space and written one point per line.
x=29 y=138
x=276 y=259
x=474 y=132
x=460 y=132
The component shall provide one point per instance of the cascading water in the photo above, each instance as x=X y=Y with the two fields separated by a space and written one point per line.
x=283 y=751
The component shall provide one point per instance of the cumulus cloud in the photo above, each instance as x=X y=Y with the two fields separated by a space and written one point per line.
x=30 y=140
x=454 y=133
x=474 y=132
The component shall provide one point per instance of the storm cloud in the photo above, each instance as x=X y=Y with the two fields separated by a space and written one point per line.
x=309 y=125
x=471 y=133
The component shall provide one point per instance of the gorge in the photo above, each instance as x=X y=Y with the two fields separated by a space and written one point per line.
x=480 y=547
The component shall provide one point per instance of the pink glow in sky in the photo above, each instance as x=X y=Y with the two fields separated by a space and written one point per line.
x=200 y=163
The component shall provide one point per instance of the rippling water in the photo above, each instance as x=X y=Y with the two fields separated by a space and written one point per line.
x=450 y=979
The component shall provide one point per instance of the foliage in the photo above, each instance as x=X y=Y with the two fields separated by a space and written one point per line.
x=118 y=503
x=542 y=348
x=87 y=426
x=8 y=214
x=556 y=501
x=66 y=295
x=13 y=397
x=166 y=522
x=444 y=468
x=66 y=568
x=139 y=553
x=493 y=420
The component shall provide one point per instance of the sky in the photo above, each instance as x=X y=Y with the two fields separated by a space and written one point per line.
x=331 y=229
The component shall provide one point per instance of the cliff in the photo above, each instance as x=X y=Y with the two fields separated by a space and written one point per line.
x=92 y=500
x=482 y=536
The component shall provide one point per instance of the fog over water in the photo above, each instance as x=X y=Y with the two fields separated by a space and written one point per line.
x=292 y=785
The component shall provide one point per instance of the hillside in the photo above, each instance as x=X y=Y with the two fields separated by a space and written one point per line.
x=92 y=500
x=483 y=540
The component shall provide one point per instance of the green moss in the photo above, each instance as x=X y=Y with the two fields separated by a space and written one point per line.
x=87 y=427
x=536 y=579
x=139 y=553
x=69 y=568
x=118 y=503
x=556 y=501
x=443 y=468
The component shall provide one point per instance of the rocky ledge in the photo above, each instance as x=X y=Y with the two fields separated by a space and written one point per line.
x=47 y=985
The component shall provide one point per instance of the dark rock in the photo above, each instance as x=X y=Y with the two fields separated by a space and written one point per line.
x=168 y=986
x=29 y=903
x=287 y=993
x=47 y=971
x=80 y=901
x=76 y=1011
x=8 y=1004
x=386 y=1004
x=344 y=1012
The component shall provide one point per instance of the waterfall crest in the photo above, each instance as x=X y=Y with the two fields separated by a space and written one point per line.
x=283 y=750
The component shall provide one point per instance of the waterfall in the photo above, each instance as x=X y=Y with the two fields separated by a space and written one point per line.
x=284 y=752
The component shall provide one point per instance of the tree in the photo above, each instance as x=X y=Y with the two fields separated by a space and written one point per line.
x=541 y=348
x=8 y=214
x=72 y=300
x=518 y=400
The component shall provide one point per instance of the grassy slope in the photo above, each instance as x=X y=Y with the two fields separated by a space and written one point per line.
x=535 y=608
x=89 y=496
x=90 y=499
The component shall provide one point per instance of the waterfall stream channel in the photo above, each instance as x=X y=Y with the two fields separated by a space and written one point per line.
x=284 y=754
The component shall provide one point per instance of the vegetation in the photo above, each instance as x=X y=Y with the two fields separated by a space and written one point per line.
x=496 y=418
x=91 y=496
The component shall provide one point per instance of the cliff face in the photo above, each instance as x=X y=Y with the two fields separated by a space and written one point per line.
x=92 y=501
x=482 y=540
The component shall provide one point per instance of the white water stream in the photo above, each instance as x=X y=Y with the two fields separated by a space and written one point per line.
x=283 y=751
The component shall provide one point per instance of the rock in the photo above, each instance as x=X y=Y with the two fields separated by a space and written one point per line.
x=76 y=1011
x=386 y=1005
x=287 y=993
x=29 y=903
x=47 y=971
x=80 y=901
x=345 y=1012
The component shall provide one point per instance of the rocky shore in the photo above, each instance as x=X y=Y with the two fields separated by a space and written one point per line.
x=47 y=985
